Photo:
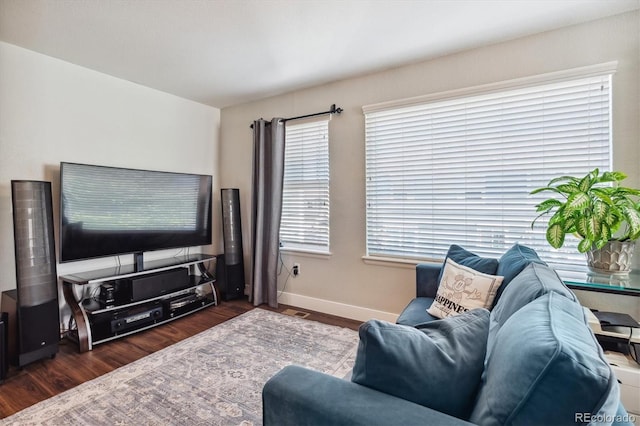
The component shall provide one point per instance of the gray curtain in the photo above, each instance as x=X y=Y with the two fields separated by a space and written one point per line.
x=266 y=210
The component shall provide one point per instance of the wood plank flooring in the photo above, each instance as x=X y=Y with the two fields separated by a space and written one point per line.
x=44 y=379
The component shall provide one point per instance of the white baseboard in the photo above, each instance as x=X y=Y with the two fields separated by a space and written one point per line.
x=335 y=308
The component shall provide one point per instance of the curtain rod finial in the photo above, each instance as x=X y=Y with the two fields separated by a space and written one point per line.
x=335 y=110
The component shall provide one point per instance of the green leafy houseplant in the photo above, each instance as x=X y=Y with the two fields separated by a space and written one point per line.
x=595 y=208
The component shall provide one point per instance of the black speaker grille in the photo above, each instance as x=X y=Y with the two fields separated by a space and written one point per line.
x=38 y=326
x=231 y=226
x=36 y=274
x=4 y=345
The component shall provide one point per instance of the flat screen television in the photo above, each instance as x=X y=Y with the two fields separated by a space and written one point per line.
x=107 y=211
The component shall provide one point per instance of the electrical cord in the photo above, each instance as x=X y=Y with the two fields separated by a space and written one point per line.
x=280 y=272
x=631 y=347
x=70 y=324
x=204 y=270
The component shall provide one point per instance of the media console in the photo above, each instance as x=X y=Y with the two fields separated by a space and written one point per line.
x=110 y=303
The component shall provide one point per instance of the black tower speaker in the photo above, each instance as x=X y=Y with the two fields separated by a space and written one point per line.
x=36 y=305
x=4 y=346
x=230 y=266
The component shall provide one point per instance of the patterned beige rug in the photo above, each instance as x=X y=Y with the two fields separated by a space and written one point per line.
x=213 y=378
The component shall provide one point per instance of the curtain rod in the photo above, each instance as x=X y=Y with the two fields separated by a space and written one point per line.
x=332 y=110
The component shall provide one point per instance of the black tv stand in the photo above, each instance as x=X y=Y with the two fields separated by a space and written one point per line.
x=138 y=261
x=98 y=322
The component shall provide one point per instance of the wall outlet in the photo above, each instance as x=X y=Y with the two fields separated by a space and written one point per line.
x=296 y=269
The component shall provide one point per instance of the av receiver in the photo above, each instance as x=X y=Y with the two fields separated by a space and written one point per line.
x=109 y=324
x=136 y=317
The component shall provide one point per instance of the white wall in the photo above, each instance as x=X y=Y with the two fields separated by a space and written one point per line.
x=342 y=283
x=53 y=111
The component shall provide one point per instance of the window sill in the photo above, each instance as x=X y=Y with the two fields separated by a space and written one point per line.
x=305 y=252
x=397 y=262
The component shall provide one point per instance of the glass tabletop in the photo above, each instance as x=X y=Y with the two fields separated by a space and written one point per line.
x=628 y=284
x=123 y=271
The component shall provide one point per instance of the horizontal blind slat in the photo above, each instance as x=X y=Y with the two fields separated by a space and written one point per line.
x=461 y=170
x=305 y=199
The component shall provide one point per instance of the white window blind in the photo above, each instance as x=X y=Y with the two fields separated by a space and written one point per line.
x=305 y=200
x=461 y=170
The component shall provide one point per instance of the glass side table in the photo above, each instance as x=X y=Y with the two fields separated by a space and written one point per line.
x=607 y=283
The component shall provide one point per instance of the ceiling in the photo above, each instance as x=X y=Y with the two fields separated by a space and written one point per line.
x=227 y=52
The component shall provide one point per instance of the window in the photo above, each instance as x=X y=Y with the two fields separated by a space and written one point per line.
x=460 y=170
x=305 y=199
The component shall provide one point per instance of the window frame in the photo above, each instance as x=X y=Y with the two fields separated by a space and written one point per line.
x=608 y=68
x=323 y=184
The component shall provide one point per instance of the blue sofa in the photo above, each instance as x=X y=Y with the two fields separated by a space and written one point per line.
x=530 y=359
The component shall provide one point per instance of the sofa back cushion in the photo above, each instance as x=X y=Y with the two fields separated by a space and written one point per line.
x=463 y=257
x=512 y=262
x=437 y=365
x=545 y=368
x=534 y=281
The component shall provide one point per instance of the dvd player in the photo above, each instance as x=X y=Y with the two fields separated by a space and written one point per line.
x=184 y=303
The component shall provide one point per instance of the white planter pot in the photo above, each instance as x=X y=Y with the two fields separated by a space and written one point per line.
x=613 y=258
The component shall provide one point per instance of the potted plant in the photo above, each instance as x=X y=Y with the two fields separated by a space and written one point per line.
x=603 y=215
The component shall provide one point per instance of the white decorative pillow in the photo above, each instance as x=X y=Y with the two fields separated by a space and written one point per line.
x=462 y=289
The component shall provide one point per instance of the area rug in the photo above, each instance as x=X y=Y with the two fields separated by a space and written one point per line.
x=213 y=378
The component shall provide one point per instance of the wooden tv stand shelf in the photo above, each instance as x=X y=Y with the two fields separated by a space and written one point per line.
x=98 y=321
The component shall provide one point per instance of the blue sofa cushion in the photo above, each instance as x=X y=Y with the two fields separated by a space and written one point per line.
x=534 y=281
x=427 y=275
x=416 y=312
x=298 y=396
x=512 y=262
x=545 y=367
x=463 y=257
x=438 y=366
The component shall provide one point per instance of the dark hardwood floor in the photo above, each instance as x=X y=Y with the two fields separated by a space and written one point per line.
x=44 y=379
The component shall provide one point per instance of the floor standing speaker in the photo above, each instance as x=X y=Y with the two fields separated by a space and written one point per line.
x=230 y=266
x=4 y=346
x=37 y=324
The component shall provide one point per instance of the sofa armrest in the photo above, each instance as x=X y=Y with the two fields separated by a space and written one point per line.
x=298 y=396
x=427 y=279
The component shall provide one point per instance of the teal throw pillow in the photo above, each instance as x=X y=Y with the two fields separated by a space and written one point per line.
x=438 y=365
x=534 y=281
x=512 y=262
x=463 y=257
x=545 y=368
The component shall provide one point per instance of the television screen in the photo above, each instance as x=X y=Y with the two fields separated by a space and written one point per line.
x=107 y=211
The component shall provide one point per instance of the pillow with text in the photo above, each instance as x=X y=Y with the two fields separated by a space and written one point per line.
x=461 y=289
